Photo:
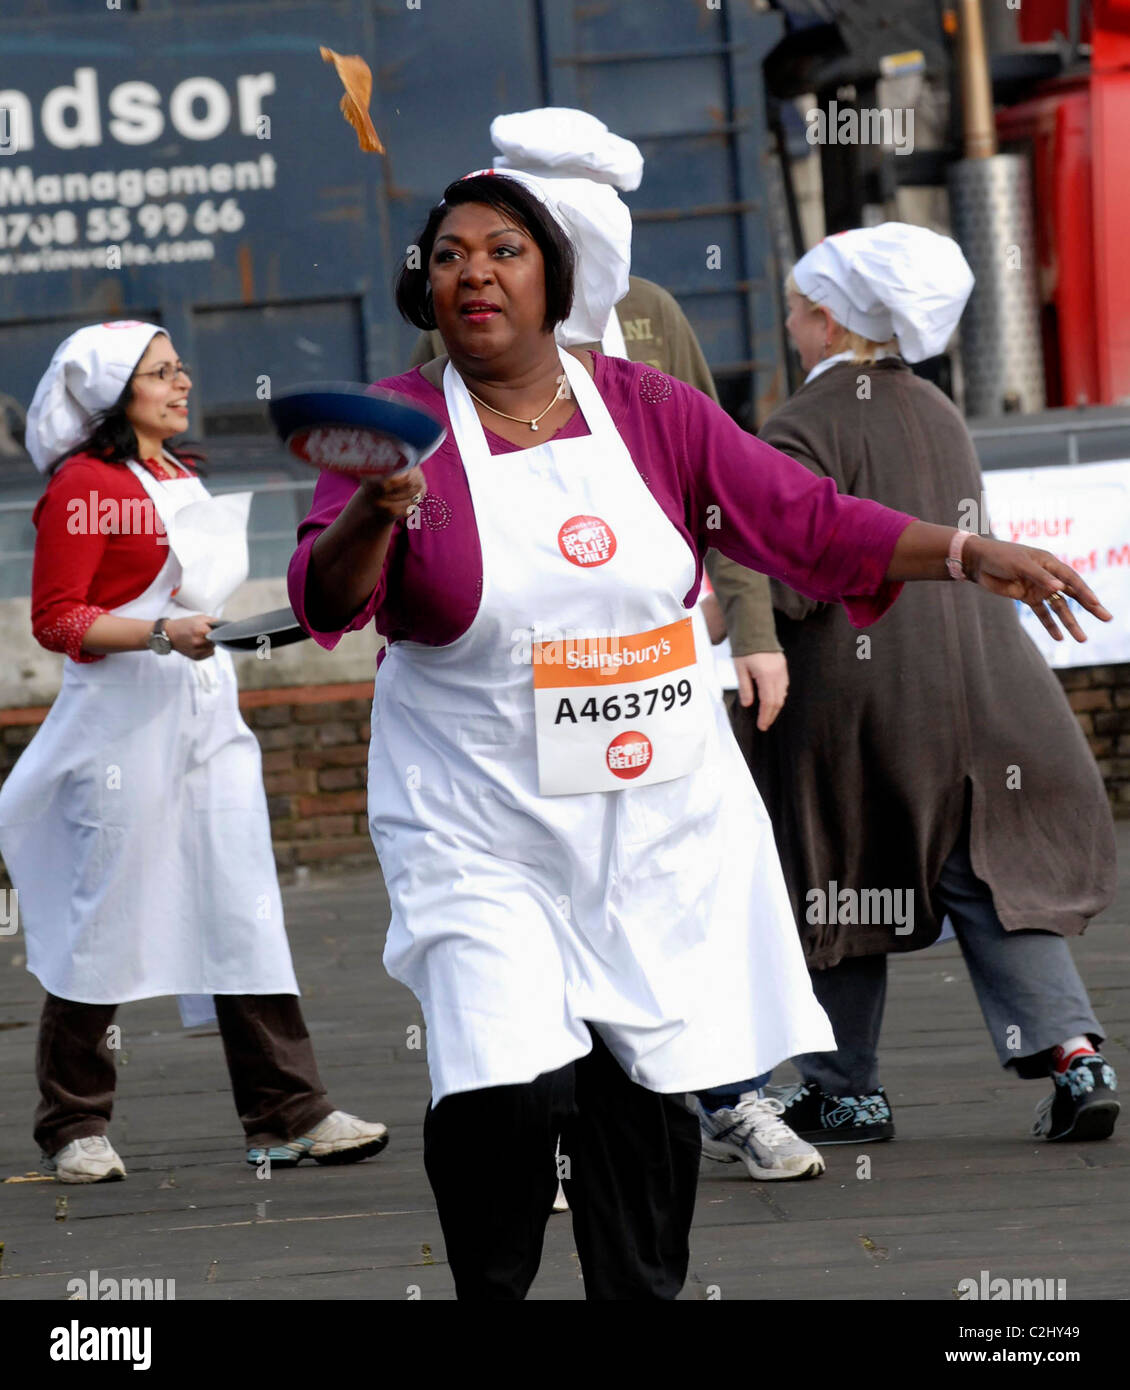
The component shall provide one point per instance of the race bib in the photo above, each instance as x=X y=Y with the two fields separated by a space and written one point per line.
x=613 y=712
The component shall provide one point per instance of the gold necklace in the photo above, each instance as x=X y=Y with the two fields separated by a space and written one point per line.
x=562 y=386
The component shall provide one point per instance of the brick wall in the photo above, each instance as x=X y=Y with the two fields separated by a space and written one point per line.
x=315 y=742
x=1100 y=697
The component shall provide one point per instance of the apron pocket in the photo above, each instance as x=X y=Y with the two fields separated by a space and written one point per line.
x=685 y=806
x=228 y=777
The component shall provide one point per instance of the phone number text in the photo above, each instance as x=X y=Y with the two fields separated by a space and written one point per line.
x=114 y=224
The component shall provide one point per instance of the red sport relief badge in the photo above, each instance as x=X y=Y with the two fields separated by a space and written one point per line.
x=629 y=754
x=587 y=541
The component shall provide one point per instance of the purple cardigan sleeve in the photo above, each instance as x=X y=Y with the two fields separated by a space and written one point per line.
x=770 y=513
x=331 y=494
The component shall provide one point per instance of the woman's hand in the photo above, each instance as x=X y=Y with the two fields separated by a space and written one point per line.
x=189 y=636
x=769 y=673
x=347 y=559
x=391 y=499
x=1036 y=578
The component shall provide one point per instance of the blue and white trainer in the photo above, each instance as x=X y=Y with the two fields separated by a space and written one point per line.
x=754 y=1132
x=828 y=1119
x=1083 y=1104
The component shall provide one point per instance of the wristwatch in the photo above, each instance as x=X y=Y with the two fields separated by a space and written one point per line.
x=159 y=640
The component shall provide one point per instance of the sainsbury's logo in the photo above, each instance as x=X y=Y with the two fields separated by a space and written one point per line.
x=609 y=662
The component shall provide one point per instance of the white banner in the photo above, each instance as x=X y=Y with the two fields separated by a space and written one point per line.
x=1081 y=513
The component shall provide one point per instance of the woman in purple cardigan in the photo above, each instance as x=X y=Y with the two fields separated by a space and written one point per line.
x=586 y=897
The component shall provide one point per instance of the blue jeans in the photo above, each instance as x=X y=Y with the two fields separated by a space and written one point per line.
x=726 y=1097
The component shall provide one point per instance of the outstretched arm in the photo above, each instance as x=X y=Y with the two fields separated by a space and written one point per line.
x=1034 y=577
x=767 y=511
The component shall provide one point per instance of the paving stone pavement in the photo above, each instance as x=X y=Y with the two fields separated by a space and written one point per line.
x=962 y=1189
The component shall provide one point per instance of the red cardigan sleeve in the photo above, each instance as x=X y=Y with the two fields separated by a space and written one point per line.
x=68 y=553
x=99 y=544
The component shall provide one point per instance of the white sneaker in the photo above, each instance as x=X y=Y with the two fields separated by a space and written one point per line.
x=754 y=1132
x=342 y=1138
x=91 y=1159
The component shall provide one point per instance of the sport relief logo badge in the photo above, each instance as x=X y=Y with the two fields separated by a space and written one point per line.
x=629 y=754
x=587 y=541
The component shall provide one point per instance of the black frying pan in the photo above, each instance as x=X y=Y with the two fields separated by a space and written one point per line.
x=280 y=627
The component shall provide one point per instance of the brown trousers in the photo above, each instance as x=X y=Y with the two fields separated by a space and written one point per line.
x=278 y=1092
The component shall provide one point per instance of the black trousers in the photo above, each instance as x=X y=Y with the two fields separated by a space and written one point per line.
x=629 y=1164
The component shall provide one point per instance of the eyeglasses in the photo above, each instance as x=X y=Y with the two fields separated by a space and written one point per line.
x=167 y=372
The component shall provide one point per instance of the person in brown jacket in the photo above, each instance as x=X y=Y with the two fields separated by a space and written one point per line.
x=933 y=767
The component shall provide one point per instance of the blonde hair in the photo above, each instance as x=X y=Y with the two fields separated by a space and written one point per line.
x=862 y=349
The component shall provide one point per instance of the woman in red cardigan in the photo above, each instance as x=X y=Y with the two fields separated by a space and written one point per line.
x=135 y=825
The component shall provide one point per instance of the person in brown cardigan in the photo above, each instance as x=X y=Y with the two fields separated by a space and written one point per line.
x=932 y=767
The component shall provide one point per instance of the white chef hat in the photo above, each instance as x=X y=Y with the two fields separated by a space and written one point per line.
x=561 y=141
x=890 y=281
x=87 y=374
x=599 y=225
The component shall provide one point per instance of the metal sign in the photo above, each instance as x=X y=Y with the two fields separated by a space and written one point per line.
x=167 y=145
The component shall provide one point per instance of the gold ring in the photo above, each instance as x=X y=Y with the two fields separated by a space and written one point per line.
x=1059 y=594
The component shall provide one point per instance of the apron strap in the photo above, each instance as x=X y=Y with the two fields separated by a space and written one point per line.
x=612 y=344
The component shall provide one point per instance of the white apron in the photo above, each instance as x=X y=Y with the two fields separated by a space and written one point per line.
x=657 y=912
x=134 y=826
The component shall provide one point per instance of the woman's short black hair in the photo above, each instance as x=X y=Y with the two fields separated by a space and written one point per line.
x=515 y=201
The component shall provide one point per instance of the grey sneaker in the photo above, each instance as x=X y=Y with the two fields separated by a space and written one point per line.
x=754 y=1132
x=91 y=1159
